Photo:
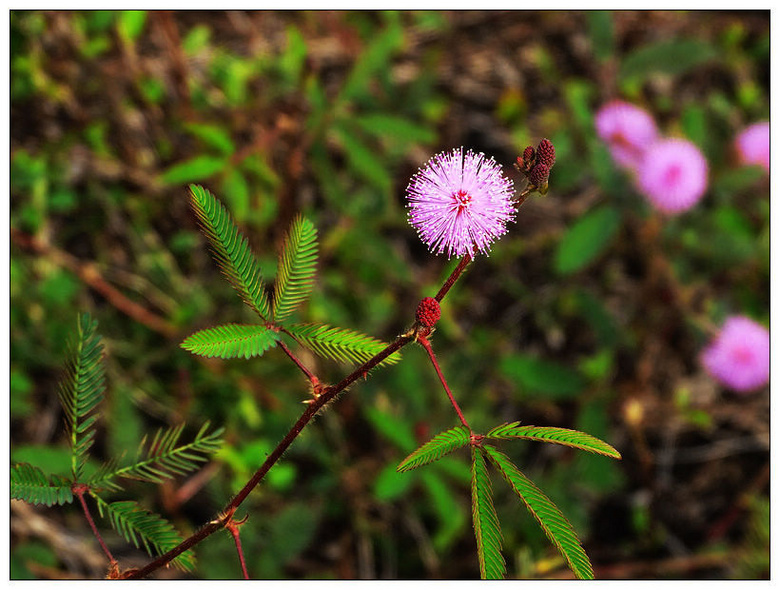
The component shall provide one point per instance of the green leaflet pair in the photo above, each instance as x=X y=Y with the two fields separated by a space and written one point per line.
x=486 y=525
x=294 y=281
x=80 y=393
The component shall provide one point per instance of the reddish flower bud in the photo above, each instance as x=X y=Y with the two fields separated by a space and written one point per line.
x=545 y=154
x=539 y=175
x=528 y=158
x=428 y=312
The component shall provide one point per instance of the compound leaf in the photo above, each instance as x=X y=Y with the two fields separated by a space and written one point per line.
x=82 y=390
x=486 y=527
x=297 y=266
x=141 y=527
x=31 y=484
x=231 y=341
x=561 y=436
x=231 y=249
x=550 y=518
x=440 y=445
x=339 y=344
x=162 y=459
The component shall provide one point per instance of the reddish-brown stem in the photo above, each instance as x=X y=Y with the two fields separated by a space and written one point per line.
x=309 y=375
x=429 y=349
x=453 y=277
x=314 y=406
x=232 y=526
x=79 y=490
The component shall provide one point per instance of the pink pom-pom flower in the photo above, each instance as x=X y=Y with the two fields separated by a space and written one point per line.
x=673 y=175
x=753 y=145
x=460 y=203
x=738 y=357
x=627 y=130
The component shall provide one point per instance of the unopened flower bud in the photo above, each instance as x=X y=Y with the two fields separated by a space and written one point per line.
x=528 y=158
x=428 y=312
x=545 y=154
x=539 y=175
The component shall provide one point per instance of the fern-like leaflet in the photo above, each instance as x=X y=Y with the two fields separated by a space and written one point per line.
x=339 y=344
x=231 y=250
x=142 y=527
x=486 y=527
x=296 y=268
x=162 y=459
x=32 y=485
x=561 y=436
x=440 y=445
x=80 y=393
x=231 y=341
x=82 y=390
x=550 y=518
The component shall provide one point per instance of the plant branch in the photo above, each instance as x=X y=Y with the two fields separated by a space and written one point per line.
x=79 y=490
x=315 y=406
x=427 y=346
x=453 y=277
x=312 y=409
x=309 y=375
x=232 y=526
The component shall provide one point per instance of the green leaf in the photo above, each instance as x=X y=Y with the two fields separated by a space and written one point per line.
x=293 y=59
x=444 y=502
x=561 y=436
x=440 y=445
x=375 y=57
x=237 y=194
x=550 y=518
x=390 y=485
x=82 y=390
x=131 y=23
x=395 y=429
x=539 y=376
x=402 y=130
x=586 y=239
x=32 y=485
x=213 y=136
x=602 y=34
x=162 y=459
x=592 y=474
x=231 y=341
x=486 y=527
x=231 y=249
x=363 y=160
x=141 y=527
x=339 y=344
x=297 y=267
x=670 y=57
x=197 y=168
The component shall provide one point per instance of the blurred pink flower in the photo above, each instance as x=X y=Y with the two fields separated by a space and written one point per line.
x=753 y=145
x=627 y=130
x=739 y=356
x=673 y=175
x=460 y=203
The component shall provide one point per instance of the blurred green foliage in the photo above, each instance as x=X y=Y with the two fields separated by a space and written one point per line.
x=329 y=114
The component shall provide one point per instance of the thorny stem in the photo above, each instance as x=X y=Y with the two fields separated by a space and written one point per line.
x=313 y=407
x=232 y=526
x=79 y=490
x=427 y=346
x=309 y=375
x=311 y=410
